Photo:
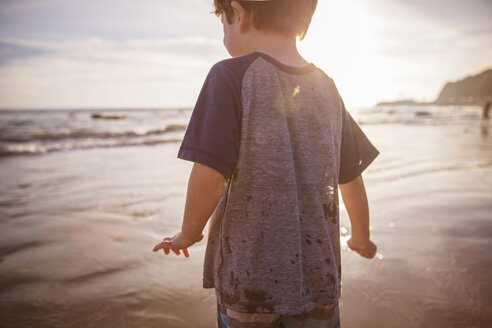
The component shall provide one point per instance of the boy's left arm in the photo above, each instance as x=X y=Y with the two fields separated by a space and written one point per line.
x=205 y=188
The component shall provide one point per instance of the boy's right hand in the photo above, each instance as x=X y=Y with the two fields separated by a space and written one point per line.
x=365 y=249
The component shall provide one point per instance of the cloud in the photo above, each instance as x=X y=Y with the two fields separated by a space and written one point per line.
x=75 y=53
x=97 y=48
x=110 y=19
x=96 y=72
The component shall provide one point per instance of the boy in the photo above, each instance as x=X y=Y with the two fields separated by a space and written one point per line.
x=272 y=142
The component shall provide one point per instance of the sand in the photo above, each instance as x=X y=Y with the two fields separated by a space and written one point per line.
x=77 y=230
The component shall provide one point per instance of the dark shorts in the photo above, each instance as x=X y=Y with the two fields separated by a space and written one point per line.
x=322 y=317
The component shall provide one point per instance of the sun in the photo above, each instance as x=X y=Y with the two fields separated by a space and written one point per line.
x=342 y=42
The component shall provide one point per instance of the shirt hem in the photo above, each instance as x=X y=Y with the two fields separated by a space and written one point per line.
x=202 y=157
x=360 y=169
x=282 y=309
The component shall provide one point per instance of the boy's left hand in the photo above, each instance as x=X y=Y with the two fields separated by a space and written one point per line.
x=176 y=244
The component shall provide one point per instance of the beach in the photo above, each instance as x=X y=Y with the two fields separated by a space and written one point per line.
x=81 y=211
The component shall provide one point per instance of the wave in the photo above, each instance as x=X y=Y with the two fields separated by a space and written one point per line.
x=387 y=173
x=417 y=115
x=38 y=148
x=80 y=133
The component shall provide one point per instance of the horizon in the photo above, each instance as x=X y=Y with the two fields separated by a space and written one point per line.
x=76 y=55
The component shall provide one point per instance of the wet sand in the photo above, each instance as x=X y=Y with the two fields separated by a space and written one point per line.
x=77 y=230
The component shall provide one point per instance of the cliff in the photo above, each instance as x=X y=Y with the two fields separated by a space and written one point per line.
x=472 y=90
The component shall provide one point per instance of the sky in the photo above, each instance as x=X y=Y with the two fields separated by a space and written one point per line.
x=157 y=53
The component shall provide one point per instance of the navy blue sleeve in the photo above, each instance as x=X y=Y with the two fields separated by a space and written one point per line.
x=357 y=152
x=212 y=135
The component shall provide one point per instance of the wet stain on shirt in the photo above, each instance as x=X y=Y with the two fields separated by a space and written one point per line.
x=228 y=245
x=234 y=281
x=256 y=295
x=331 y=211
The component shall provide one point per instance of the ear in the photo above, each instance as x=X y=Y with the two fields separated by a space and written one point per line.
x=241 y=16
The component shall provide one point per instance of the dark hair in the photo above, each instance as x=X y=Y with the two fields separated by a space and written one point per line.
x=288 y=17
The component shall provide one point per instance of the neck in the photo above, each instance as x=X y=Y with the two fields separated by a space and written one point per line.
x=281 y=48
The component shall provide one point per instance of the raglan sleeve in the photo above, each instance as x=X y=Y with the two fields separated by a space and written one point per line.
x=356 y=152
x=212 y=135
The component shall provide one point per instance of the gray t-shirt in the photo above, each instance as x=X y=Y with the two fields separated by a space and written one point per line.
x=282 y=137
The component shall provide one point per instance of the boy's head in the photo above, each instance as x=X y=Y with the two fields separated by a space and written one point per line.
x=289 y=18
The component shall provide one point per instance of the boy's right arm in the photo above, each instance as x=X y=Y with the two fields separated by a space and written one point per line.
x=355 y=200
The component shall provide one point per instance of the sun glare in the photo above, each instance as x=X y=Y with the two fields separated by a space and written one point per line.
x=341 y=41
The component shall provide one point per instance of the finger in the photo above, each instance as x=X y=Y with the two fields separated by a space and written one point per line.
x=186 y=252
x=167 y=245
x=161 y=245
x=157 y=247
x=167 y=239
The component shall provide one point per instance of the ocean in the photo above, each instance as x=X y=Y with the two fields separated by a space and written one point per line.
x=34 y=132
